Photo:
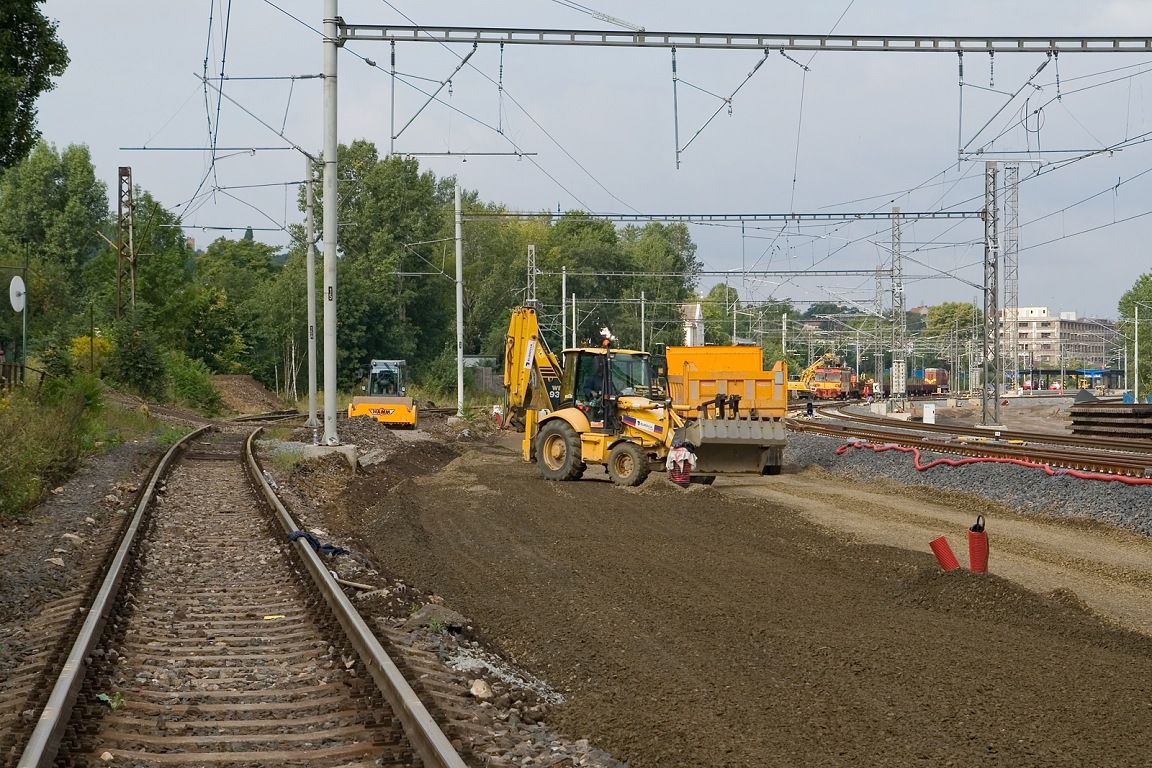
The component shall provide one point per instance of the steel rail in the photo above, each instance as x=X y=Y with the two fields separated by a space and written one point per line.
x=40 y=751
x=270 y=416
x=1131 y=445
x=428 y=740
x=1115 y=464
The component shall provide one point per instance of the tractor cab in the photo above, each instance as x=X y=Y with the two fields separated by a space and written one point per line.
x=388 y=378
x=594 y=380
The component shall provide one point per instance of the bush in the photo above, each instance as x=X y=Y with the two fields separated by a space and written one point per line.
x=136 y=361
x=83 y=387
x=192 y=383
x=56 y=360
x=44 y=440
x=90 y=354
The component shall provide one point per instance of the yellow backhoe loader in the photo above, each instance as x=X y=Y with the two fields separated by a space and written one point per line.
x=603 y=406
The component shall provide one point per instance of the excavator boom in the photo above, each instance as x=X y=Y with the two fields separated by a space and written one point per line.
x=531 y=372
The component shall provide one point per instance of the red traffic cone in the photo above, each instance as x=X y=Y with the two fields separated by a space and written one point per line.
x=944 y=554
x=978 y=546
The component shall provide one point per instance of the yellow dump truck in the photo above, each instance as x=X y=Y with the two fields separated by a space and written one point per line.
x=386 y=395
x=731 y=399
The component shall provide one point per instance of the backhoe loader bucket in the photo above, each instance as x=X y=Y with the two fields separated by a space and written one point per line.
x=737 y=446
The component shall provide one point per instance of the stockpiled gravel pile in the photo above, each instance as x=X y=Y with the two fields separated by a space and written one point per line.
x=1017 y=488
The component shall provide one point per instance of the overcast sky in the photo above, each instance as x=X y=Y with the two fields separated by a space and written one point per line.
x=874 y=130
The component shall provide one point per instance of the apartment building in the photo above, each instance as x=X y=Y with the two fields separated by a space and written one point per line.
x=1046 y=340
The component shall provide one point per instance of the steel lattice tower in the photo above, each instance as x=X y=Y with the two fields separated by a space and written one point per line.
x=900 y=319
x=991 y=298
x=125 y=242
x=1012 y=270
x=530 y=298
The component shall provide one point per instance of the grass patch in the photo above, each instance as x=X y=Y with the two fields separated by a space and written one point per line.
x=43 y=438
x=283 y=434
x=284 y=461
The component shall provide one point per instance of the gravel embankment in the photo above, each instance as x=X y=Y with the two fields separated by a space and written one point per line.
x=1016 y=488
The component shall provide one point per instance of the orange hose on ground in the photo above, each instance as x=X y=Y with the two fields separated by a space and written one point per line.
x=993 y=460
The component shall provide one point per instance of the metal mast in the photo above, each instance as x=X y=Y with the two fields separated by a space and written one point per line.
x=1012 y=270
x=459 y=303
x=310 y=283
x=331 y=207
x=879 y=338
x=900 y=321
x=125 y=242
x=991 y=415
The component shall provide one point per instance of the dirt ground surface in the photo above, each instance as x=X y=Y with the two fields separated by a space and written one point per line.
x=243 y=394
x=1028 y=413
x=753 y=623
x=717 y=628
x=42 y=551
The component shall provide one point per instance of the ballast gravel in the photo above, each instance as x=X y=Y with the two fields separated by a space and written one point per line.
x=1020 y=489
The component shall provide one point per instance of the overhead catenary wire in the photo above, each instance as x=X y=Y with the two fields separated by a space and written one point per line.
x=1041 y=171
x=223 y=62
x=207 y=103
x=526 y=113
x=454 y=108
x=793 y=247
x=436 y=93
x=727 y=101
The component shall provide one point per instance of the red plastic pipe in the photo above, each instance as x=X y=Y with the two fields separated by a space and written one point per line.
x=978 y=547
x=944 y=554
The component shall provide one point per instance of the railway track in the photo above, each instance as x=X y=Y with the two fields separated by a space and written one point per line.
x=214 y=641
x=43 y=640
x=1074 y=452
x=1130 y=445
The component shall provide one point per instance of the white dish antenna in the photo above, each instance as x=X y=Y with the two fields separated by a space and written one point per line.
x=16 y=293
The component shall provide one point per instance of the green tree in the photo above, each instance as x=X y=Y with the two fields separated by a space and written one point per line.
x=395 y=298
x=825 y=308
x=719 y=304
x=279 y=332
x=952 y=317
x=237 y=267
x=136 y=360
x=590 y=250
x=495 y=266
x=215 y=334
x=1138 y=300
x=164 y=269
x=30 y=56
x=667 y=253
x=52 y=209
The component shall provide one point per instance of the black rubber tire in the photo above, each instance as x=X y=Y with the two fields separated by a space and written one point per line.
x=558 y=452
x=627 y=465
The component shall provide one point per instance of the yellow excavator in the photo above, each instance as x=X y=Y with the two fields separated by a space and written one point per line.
x=603 y=406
